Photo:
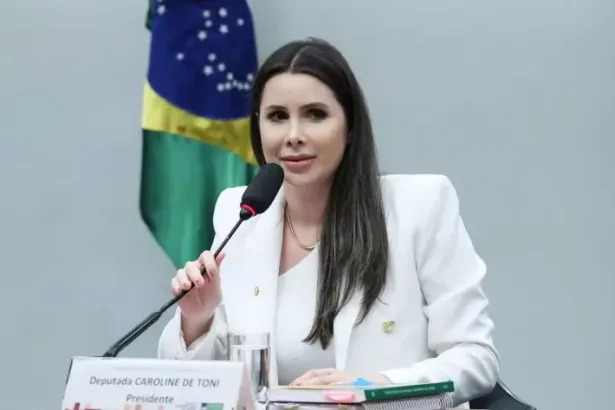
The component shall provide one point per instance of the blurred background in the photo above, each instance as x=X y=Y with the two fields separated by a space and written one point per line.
x=513 y=100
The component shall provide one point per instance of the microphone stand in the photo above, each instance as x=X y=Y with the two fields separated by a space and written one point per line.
x=153 y=317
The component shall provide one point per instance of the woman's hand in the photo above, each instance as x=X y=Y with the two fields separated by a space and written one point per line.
x=323 y=377
x=204 y=294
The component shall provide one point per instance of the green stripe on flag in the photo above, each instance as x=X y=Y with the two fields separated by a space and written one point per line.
x=181 y=181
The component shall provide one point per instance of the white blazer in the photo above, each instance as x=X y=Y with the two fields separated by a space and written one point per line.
x=431 y=324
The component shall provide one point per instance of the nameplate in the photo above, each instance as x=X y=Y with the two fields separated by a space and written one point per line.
x=150 y=384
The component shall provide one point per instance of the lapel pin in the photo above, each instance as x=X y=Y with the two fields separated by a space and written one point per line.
x=256 y=291
x=387 y=327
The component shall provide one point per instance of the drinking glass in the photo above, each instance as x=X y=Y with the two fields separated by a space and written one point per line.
x=253 y=350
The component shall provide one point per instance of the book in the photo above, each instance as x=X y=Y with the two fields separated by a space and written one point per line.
x=356 y=394
x=438 y=401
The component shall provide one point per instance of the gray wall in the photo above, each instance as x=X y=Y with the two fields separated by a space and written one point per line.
x=513 y=100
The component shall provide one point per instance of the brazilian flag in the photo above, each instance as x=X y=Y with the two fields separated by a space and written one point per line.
x=196 y=102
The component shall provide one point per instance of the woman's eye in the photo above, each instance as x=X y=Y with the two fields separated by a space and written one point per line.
x=277 y=116
x=316 y=114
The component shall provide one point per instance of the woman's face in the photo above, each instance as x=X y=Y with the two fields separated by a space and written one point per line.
x=303 y=128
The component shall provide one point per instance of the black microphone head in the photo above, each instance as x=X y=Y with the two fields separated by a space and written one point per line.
x=261 y=191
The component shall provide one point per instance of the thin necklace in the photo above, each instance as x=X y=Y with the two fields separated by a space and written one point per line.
x=292 y=231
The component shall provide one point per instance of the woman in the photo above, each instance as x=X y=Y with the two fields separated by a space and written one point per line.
x=353 y=274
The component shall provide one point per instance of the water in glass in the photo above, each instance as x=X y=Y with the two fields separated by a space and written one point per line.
x=256 y=357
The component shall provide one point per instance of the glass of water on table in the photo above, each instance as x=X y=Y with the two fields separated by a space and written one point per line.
x=253 y=350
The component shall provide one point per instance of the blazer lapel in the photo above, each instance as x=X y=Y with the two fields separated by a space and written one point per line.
x=264 y=247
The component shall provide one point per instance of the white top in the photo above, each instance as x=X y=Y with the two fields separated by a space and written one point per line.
x=296 y=305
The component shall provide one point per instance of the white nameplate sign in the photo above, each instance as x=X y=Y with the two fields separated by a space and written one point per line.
x=150 y=384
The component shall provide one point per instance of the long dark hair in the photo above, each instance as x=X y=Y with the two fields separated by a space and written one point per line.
x=354 y=243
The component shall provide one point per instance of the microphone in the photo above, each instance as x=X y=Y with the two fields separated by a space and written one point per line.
x=255 y=200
